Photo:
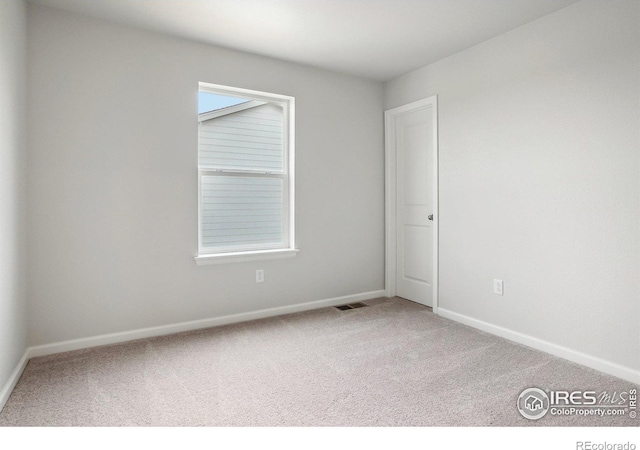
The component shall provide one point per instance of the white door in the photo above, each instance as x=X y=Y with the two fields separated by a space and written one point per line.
x=411 y=133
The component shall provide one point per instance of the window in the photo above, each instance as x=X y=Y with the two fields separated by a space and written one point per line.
x=245 y=175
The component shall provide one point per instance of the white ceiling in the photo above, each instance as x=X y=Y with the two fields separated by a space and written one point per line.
x=378 y=39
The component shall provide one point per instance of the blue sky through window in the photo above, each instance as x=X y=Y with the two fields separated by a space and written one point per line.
x=211 y=102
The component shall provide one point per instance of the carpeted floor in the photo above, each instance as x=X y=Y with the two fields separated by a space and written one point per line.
x=393 y=363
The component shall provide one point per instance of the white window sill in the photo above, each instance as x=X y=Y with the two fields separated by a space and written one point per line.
x=221 y=258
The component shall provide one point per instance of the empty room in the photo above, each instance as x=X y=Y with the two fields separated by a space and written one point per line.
x=304 y=213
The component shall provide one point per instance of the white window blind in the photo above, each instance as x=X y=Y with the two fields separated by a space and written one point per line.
x=244 y=166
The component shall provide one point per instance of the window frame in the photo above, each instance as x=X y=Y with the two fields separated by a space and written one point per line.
x=258 y=252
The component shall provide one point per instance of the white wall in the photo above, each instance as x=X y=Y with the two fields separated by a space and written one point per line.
x=13 y=325
x=540 y=178
x=113 y=189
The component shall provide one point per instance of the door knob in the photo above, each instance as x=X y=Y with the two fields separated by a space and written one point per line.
x=430 y=217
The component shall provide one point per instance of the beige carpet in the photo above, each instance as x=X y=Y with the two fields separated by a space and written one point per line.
x=393 y=363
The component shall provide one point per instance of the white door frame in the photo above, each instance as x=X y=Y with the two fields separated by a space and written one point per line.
x=391 y=192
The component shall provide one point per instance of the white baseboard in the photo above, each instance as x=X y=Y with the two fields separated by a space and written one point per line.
x=115 y=338
x=13 y=379
x=611 y=368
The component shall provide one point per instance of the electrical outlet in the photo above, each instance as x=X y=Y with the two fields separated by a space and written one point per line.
x=259 y=276
x=498 y=287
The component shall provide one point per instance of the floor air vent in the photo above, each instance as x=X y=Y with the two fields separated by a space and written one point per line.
x=350 y=306
x=357 y=305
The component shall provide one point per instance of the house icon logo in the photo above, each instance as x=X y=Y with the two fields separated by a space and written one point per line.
x=533 y=403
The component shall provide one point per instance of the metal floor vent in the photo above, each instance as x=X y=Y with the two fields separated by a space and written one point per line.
x=350 y=306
